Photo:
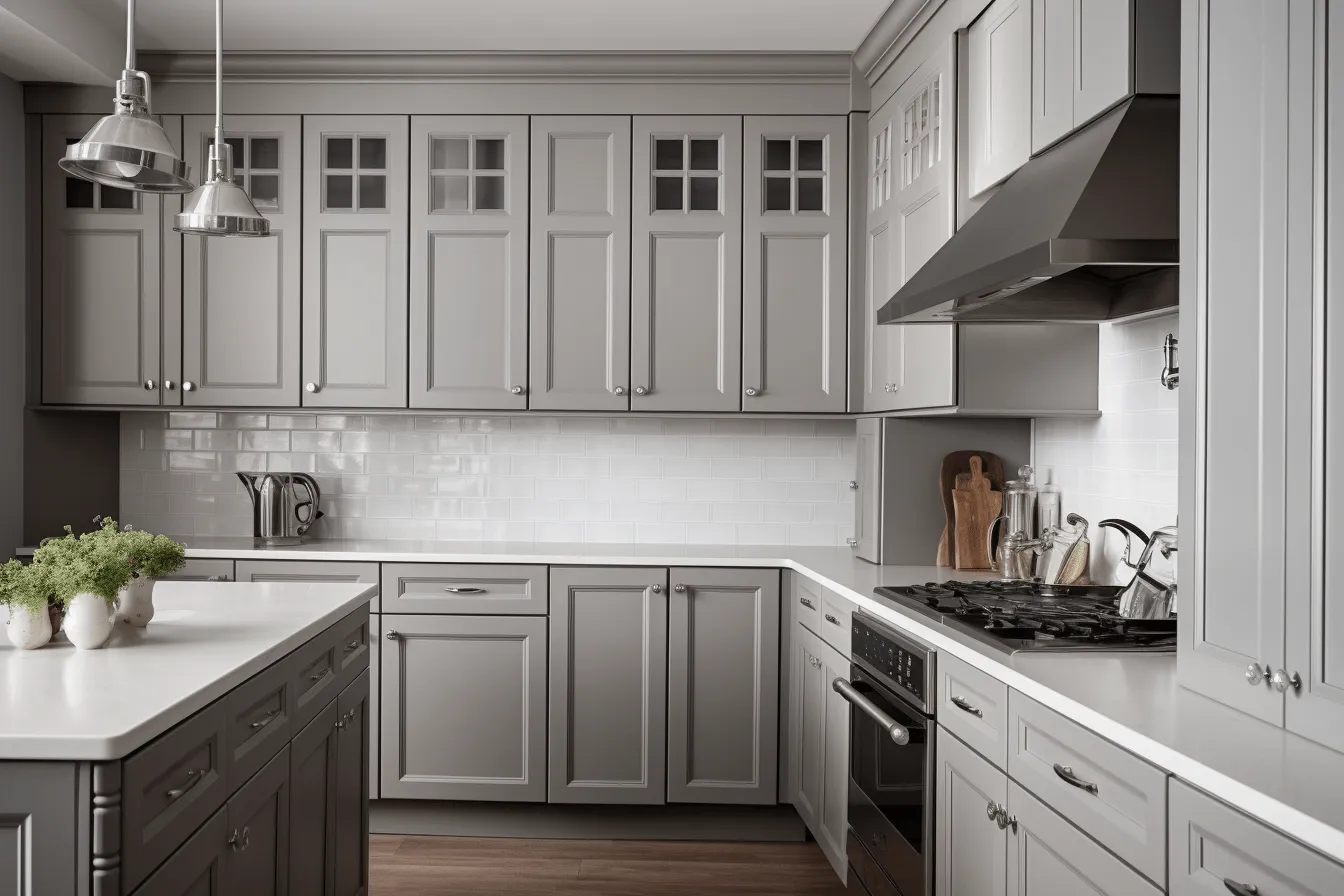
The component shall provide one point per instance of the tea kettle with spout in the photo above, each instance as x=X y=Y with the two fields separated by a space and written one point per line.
x=279 y=517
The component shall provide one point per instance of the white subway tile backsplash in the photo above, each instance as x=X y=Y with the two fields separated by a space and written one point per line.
x=548 y=479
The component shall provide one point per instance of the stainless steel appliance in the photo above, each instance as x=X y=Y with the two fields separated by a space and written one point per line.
x=1017 y=616
x=891 y=761
x=279 y=515
x=1015 y=558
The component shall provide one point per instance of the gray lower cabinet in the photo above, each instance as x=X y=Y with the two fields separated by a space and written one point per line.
x=970 y=849
x=469 y=226
x=807 y=715
x=686 y=264
x=579 y=300
x=39 y=824
x=202 y=571
x=197 y=868
x=1215 y=849
x=723 y=686
x=464 y=708
x=257 y=860
x=101 y=287
x=352 y=789
x=464 y=588
x=820 y=752
x=241 y=297
x=308 y=571
x=375 y=702
x=608 y=685
x=795 y=306
x=355 y=233
x=312 y=814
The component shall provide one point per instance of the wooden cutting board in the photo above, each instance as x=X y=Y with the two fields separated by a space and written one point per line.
x=975 y=505
x=955 y=464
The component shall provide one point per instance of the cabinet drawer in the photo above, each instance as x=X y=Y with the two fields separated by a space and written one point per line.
x=465 y=589
x=351 y=637
x=1213 y=847
x=1115 y=797
x=807 y=602
x=835 y=626
x=308 y=571
x=315 y=676
x=170 y=787
x=974 y=706
x=203 y=571
x=198 y=863
x=258 y=721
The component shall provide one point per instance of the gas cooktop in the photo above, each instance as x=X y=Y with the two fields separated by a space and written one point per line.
x=1016 y=616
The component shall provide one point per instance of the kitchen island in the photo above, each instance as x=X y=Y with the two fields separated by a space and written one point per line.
x=189 y=750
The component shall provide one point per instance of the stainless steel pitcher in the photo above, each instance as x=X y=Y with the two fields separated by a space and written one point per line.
x=279 y=517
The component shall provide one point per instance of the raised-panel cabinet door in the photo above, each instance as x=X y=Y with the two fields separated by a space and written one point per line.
x=469 y=204
x=240 y=297
x=1052 y=78
x=579 y=320
x=257 y=862
x=999 y=93
x=867 y=494
x=608 y=685
x=810 y=707
x=723 y=686
x=101 y=300
x=444 y=669
x=833 y=817
x=352 y=789
x=1234 y=323
x=971 y=850
x=312 y=804
x=355 y=187
x=1103 y=33
x=375 y=703
x=686 y=264
x=796 y=215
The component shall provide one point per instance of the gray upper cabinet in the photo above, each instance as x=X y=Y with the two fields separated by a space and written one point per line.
x=1052 y=58
x=1081 y=63
x=469 y=208
x=579 y=321
x=794 y=251
x=464 y=708
x=686 y=264
x=355 y=188
x=100 y=282
x=723 y=686
x=240 y=297
x=608 y=685
x=971 y=850
x=999 y=93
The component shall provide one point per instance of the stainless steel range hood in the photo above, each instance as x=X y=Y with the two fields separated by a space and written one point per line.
x=1086 y=231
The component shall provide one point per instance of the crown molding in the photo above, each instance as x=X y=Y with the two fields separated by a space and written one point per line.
x=503 y=67
x=896 y=28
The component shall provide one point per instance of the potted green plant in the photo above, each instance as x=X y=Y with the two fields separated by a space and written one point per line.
x=150 y=556
x=85 y=573
x=24 y=591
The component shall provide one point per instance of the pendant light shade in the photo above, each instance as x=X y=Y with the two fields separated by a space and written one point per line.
x=220 y=207
x=128 y=149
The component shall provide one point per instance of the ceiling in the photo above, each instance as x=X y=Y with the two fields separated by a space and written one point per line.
x=486 y=25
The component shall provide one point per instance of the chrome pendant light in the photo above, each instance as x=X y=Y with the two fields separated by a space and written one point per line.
x=219 y=207
x=128 y=149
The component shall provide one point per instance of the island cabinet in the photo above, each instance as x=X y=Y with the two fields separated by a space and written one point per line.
x=469 y=258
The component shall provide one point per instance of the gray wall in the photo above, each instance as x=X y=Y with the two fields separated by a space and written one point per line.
x=13 y=301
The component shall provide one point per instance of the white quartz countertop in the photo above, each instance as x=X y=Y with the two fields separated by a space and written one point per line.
x=59 y=703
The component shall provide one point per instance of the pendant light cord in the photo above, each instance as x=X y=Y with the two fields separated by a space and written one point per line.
x=130 y=35
x=219 y=72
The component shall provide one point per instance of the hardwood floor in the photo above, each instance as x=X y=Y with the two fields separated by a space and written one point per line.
x=462 y=866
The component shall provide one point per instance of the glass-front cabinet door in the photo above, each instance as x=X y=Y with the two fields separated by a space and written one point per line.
x=100 y=282
x=469 y=193
x=355 y=233
x=240 y=297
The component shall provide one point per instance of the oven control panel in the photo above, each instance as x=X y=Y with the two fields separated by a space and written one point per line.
x=903 y=663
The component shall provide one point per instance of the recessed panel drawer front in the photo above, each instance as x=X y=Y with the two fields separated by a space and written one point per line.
x=807 y=602
x=973 y=705
x=1115 y=797
x=467 y=589
x=170 y=787
x=351 y=637
x=836 y=615
x=259 y=721
x=314 y=670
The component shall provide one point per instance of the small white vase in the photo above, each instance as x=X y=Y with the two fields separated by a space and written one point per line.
x=28 y=629
x=88 y=621
x=135 y=603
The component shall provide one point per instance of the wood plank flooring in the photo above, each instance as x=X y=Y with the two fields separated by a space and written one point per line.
x=462 y=866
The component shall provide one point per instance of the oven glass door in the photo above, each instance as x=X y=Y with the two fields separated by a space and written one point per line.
x=895 y=779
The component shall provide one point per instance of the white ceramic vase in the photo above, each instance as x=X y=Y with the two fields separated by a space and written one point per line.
x=28 y=629
x=88 y=621
x=135 y=603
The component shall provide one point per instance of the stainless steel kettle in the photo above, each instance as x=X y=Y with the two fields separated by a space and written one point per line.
x=279 y=517
x=1147 y=596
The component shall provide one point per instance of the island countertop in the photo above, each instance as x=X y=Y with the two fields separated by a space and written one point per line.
x=59 y=703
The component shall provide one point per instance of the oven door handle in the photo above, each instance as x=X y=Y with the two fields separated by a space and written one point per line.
x=898 y=732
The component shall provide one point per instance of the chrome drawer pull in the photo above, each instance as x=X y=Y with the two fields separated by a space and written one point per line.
x=900 y=735
x=832 y=620
x=321 y=675
x=961 y=704
x=455 y=589
x=268 y=719
x=1069 y=777
x=194 y=777
x=807 y=603
x=352 y=646
x=1240 y=889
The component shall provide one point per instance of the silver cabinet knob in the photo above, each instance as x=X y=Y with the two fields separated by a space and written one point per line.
x=619 y=390
x=169 y=385
x=188 y=386
x=393 y=635
x=852 y=542
x=679 y=588
x=992 y=810
x=640 y=390
x=656 y=589
x=1239 y=889
x=752 y=393
x=1282 y=681
x=1255 y=674
x=853 y=485
x=517 y=390
x=149 y=385
x=312 y=387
